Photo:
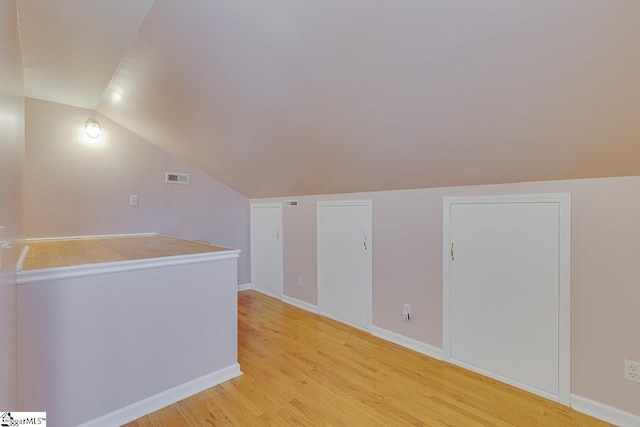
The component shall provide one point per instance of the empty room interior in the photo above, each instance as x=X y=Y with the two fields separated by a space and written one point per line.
x=339 y=212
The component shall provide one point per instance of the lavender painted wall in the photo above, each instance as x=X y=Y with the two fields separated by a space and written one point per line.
x=74 y=189
x=11 y=168
x=407 y=268
x=102 y=342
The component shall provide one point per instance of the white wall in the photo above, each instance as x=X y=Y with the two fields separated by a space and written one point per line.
x=407 y=268
x=74 y=189
x=11 y=167
x=103 y=342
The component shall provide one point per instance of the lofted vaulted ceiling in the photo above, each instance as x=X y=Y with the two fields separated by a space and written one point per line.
x=71 y=48
x=290 y=97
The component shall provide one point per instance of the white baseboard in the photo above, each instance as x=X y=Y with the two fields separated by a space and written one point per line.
x=244 y=287
x=300 y=304
x=604 y=412
x=269 y=294
x=410 y=343
x=165 y=398
x=345 y=322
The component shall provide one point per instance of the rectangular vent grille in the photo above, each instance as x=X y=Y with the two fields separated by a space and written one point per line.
x=290 y=203
x=176 y=178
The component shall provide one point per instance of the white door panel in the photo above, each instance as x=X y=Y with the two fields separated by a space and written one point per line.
x=266 y=248
x=345 y=262
x=503 y=290
x=506 y=289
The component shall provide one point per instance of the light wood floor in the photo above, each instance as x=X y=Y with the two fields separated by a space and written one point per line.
x=303 y=369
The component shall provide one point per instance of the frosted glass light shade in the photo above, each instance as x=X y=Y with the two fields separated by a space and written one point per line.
x=92 y=128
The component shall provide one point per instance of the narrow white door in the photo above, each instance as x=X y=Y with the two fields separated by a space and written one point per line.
x=503 y=291
x=344 y=261
x=266 y=248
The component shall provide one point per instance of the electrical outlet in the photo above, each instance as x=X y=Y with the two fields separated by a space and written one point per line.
x=133 y=200
x=632 y=371
x=300 y=281
x=406 y=312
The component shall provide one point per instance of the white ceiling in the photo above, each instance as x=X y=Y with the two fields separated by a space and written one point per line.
x=290 y=97
x=71 y=48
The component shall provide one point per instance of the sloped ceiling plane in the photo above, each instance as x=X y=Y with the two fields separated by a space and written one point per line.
x=290 y=97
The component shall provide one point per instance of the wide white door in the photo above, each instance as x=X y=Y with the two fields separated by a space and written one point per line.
x=503 y=291
x=344 y=264
x=266 y=248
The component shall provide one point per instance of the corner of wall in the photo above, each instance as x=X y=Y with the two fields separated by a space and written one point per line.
x=11 y=194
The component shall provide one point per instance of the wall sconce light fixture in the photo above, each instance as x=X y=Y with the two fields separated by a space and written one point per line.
x=92 y=128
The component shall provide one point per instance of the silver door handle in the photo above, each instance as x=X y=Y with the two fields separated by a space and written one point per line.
x=278 y=234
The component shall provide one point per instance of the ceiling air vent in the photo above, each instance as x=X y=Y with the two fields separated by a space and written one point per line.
x=176 y=178
x=290 y=203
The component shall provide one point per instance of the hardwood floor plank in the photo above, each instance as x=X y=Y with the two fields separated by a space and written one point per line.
x=301 y=369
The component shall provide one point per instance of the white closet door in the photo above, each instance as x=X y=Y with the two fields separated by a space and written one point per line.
x=266 y=248
x=344 y=265
x=504 y=291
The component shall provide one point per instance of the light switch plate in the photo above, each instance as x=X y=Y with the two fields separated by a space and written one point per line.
x=1 y=239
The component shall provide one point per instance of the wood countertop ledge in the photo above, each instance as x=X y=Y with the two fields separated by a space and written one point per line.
x=72 y=257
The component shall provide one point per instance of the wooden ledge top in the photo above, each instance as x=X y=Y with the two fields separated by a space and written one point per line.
x=69 y=252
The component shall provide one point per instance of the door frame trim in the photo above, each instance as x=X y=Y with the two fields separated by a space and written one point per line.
x=564 y=285
x=367 y=203
x=268 y=205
